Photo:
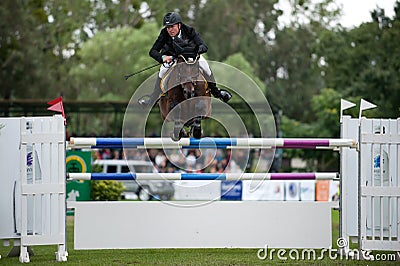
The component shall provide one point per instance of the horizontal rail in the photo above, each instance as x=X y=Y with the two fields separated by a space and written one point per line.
x=202 y=176
x=222 y=143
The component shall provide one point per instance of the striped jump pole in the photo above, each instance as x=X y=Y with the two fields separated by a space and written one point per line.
x=202 y=176
x=222 y=143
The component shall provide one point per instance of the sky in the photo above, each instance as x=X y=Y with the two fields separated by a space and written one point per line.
x=358 y=11
x=355 y=12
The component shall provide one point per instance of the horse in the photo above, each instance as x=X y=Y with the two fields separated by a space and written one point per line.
x=185 y=89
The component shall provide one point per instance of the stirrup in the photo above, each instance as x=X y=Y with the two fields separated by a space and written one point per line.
x=147 y=100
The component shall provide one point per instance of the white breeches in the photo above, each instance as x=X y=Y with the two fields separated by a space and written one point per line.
x=202 y=63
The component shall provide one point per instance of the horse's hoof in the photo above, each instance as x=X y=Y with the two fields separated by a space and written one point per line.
x=177 y=133
x=183 y=134
x=175 y=138
x=197 y=132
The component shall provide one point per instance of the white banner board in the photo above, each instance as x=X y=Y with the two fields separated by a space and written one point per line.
x=219 y=224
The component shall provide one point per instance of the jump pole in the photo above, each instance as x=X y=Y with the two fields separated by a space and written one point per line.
x=202 y=176
x=223 y=143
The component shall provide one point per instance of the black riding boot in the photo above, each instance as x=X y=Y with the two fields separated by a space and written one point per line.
x=153 y=97
x=217 y=93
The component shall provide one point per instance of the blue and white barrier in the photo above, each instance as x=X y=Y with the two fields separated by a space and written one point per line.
x=222 y=143
x=202 y=176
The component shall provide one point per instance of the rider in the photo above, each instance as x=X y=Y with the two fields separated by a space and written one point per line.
x=177 y=38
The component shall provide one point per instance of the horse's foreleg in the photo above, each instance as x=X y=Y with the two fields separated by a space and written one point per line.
x=178 y=124
x=200 y=112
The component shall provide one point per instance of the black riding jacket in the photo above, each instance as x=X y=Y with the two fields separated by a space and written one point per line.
x=164 y=43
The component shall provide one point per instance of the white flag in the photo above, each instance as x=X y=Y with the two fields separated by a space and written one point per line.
x=343 y=106
x=364 y=105
x=346 y=105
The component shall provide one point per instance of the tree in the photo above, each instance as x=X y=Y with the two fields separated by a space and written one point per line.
x=293 y=79
x=238 y=27
x=364 y=62
x=325 y=106
x=38 y=49
x=107 y=57
x=291 y=72
x=239 y=61
x=22 y=54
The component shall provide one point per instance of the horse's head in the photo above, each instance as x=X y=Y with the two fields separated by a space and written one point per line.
x=189 y=89
x=189 y=72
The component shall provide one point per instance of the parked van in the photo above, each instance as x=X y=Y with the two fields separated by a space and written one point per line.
x=143 y=189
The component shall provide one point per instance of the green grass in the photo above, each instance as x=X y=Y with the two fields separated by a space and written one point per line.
x=44 y=255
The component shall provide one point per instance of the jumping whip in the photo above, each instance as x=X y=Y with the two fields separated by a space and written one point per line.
x=137 y=72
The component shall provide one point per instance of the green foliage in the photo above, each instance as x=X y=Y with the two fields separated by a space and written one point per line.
x=239 y=61
x=230 y=27
x=24 y=70
x=104 y=60
x=110 y=55
x=106 y=190
x=292 y=128
x=364 y=62
x=315 y=160
x=294 y=79
x=326 y=107
x=39 y=41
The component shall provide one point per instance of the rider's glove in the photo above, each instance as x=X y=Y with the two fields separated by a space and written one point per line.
x=202 y=49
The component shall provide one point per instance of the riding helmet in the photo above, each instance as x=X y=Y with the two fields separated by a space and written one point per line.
x=171 y=18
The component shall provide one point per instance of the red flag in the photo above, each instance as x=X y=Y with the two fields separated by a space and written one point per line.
x=57 y=100
x=57 y=106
